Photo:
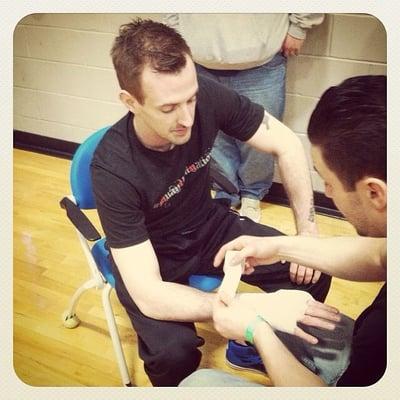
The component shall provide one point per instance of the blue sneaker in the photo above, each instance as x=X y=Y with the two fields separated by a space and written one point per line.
x=239 y=356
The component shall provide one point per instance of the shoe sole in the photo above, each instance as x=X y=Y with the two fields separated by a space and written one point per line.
x=234 y=366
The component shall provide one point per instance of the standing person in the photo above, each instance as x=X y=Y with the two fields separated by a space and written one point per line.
x=347 y=131
x=247 y=53
x=150 y=176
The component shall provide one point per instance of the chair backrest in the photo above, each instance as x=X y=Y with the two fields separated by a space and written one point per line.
x=80 y=177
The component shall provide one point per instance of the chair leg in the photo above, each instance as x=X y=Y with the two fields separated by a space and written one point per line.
x=112 y=327
x=70 y=319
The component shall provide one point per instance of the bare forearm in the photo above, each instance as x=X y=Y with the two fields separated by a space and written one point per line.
x=283 y=368
x=156 y=298
x=297 y=182
x=170 y=301
x=276 y=138
x=352 y=258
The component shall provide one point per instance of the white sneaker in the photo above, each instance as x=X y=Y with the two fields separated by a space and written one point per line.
x=251 y=209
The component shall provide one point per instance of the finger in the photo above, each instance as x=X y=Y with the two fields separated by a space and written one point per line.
x=309 y=272
x=323 y=314
x=248 y=270
x=305 y=336
x=293 y=272
x=236 y=244
x=301 y=272
x=317 y=322
x=220 y=255
x=314 y=304
x=316 y=276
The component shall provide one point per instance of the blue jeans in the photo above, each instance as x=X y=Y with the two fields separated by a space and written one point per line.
x=250 y=170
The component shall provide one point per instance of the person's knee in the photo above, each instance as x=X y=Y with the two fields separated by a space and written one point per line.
x=174 y=361
x=215 y=378
x=180 y=351
x=200 y=378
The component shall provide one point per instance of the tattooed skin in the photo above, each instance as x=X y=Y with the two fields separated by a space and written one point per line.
x=311 y=216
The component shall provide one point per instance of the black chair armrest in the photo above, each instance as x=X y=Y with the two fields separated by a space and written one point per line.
x=80 y=220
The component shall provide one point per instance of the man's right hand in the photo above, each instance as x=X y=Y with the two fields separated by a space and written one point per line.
x=231 y=321
x=252 y=250
x=284 y=308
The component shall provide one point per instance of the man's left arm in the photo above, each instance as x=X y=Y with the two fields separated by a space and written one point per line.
x=274 y=137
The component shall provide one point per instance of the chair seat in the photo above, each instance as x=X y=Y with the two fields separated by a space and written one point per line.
x=206 y=283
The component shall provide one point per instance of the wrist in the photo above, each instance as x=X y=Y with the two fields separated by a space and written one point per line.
x=297 y=32
x=252 y=327
x=308 y=227
x=261 y=333
x=281 y=244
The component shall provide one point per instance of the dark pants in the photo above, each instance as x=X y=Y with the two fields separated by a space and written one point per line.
x=169 y=349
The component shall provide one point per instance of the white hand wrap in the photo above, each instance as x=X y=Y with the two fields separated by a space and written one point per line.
x=281 y=309
x=230 y=283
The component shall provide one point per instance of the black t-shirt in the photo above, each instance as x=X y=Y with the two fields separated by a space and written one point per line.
x=145 y=194
x=368 y=352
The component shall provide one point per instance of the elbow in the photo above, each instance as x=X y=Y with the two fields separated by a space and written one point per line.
x=290 y=141
x=145 y=302
x=291 y=149
x=147 y=307
x=144 y=308
x=295 y=143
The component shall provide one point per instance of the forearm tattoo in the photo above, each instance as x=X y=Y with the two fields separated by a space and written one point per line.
x=311 y=215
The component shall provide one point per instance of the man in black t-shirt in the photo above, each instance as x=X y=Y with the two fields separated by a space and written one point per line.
x=347 y=131
x=151 y=183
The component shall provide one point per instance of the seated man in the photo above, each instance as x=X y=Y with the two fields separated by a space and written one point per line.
x=347 y=131
x=151 y=184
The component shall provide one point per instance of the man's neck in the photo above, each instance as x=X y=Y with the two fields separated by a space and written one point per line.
x=147 y=139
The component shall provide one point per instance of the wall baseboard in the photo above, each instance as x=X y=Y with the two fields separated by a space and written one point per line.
x=62 y=148
x=44 y=144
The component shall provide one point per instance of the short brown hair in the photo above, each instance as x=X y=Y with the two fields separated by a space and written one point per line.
x=146 y=42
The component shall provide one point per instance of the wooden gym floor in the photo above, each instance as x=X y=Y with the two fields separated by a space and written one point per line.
x=49 y=265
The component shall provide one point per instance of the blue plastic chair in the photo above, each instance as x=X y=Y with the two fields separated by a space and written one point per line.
x=94 y=248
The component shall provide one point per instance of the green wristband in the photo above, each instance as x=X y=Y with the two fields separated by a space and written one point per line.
x=249 y=332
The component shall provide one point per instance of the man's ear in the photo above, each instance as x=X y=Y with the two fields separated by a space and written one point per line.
x=376 y=192
x=128 y=100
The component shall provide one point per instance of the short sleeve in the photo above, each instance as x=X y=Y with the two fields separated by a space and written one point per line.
x=119 y=208
x=236 y=115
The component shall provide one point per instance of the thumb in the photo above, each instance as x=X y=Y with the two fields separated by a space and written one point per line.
x=241 y=255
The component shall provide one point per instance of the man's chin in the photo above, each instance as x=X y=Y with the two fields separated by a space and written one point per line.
x=179 y=140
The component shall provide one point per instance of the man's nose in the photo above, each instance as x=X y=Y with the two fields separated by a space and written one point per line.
x=185 y=116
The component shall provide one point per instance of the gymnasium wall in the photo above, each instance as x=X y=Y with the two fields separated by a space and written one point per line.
x=65 y=86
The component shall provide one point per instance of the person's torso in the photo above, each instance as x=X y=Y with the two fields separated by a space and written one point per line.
x=368 y=354
x=234 y=41
x=172 y=188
